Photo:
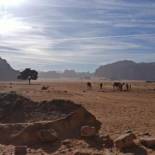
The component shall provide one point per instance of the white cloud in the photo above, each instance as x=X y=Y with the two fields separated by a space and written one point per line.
x=77 y=32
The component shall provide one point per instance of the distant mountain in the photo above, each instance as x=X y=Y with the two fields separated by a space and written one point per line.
x=65 y=74
x=7 y=73
x=121 y=70
x=127 y=70
x=49 y=75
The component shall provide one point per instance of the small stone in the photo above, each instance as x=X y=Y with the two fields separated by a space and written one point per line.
x=107 y=141
x=128 y=131
x=67 y=143
x=81 y=153
x=62 y=151
x=107 y=152
x=44 y=88
x=125 y=140
x=146 y=134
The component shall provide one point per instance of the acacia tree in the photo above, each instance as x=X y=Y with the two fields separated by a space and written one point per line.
x=28 y=74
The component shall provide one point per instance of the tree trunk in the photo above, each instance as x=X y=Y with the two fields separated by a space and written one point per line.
x=29 y=81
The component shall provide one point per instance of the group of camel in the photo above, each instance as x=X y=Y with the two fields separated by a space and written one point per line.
x=121 y=86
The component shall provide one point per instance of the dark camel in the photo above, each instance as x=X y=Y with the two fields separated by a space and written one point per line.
x=118 y=86
x=89 y=85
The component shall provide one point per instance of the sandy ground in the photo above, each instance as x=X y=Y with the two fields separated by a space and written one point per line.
x=118 y=111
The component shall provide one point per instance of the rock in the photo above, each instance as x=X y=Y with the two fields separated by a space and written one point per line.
x=88 y=131
x=46 y=135
x=25 y=122
x=107 y=152
x=66 y=142
x=128 y=131
x=81 y=153
x=107 y=141
x=44 y=87
x=35 y=134
x=20 y=150
x=147 y=141
x=125 y=140
x=145 y=134
x=62 y=152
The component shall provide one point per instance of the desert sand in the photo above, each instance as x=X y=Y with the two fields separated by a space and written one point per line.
x=117 y=111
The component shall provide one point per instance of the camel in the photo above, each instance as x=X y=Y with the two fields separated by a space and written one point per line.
x=118 y=86
x=89 y=85
x=127 y=86
x=101 y=85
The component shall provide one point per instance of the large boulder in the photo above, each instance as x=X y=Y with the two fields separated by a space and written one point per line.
x=42 y=122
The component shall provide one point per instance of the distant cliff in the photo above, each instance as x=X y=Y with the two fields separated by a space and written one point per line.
x=7 y=73
x=127 y=70
x=65 y=74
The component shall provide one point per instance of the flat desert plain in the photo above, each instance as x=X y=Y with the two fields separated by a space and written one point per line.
x=117 y=111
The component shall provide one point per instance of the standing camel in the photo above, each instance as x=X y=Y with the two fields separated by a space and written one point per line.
x=118 y=86
x=127 y=86
x=101 y=85
x=89 y=85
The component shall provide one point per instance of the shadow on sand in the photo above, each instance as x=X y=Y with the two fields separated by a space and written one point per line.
x=25 y=84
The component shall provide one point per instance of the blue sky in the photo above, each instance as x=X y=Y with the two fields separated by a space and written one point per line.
x=76 y=34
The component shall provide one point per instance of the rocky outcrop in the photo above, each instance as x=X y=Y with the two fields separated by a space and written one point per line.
x=72 y=118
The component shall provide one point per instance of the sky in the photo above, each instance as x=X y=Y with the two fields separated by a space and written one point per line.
x=76 y=34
